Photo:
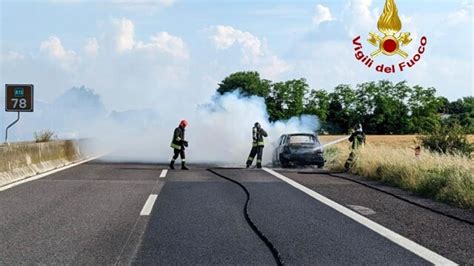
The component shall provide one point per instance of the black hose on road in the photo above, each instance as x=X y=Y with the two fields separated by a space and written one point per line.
x=268 y=243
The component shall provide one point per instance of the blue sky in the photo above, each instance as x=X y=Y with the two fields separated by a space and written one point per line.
x=137 y=54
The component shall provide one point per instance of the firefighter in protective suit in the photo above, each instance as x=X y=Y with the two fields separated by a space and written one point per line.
x=178 y=144
x=358 y=139
x=258 y=133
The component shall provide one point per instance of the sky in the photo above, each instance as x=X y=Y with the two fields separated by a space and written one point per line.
x=140 y=66
x=138 y=53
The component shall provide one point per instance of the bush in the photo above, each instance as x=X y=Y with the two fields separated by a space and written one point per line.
x=44 y=136
x=448 y=138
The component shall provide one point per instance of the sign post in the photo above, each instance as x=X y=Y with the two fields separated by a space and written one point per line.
x=18 y=98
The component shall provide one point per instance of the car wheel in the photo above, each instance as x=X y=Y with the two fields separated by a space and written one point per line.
x=320 y=166
x=284 y=162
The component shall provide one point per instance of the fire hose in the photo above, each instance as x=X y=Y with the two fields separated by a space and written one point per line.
x=258 y=232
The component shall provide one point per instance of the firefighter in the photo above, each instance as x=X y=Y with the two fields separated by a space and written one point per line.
x=258 y=133
x=358 y=139
x=178 y=144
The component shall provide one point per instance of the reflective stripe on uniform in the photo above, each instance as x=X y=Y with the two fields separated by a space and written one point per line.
x=250 y=159
x=175 y=146
x=261 y=143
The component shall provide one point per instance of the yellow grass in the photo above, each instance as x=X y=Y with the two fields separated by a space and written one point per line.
x=391 y=159
x=389 y=140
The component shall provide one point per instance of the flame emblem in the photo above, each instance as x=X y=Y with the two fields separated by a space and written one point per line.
x=390 y=25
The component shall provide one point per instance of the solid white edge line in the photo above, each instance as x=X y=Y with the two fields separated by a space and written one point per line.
x=148 y=205
x=406 y=243
x=163 y=173
x=35 y=177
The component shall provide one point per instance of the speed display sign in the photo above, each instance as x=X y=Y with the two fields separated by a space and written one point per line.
x=19 y=98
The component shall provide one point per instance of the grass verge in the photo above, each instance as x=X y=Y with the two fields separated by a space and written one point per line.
x=445 y=178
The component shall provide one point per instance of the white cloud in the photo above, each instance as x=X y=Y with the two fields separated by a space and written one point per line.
x=12 y=56
x=323 y=14
x=55 y=50
x=462 y=15
x=274 y=66
x=92 y=47
x=226 y=36
x=359 y=17
x=253 y=50
x=124 y=33
x=164 y=42
x=123 y=39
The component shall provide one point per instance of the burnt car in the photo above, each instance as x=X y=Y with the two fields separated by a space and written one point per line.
x=298 y=149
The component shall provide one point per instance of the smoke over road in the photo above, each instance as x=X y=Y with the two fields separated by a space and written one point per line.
x=219 y=130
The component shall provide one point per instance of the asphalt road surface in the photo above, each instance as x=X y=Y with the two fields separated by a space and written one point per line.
x=110 y=213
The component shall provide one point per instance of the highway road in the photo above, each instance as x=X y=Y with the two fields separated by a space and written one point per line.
x=129 y=213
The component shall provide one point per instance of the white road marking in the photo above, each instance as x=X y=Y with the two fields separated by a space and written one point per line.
x=362 y=210
x=28 y=179
x=148 y=205
x=163 y=173
x=406 y=243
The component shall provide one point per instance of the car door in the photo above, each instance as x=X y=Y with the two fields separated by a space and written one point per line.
x=281 y=144
x=276 y=150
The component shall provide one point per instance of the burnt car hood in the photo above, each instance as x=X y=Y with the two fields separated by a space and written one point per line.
x=304 y=148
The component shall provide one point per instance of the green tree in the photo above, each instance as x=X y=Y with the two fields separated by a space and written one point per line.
x=248 y=83
x=342 y=114
x=286 y=99
x=462 y=112
x=317 y=103
x=424 y=106
x=382 y=107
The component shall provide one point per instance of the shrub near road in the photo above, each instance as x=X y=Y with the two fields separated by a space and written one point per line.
x=391 y=159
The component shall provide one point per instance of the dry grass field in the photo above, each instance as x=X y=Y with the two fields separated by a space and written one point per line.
x=391 y=159
x=402 y=141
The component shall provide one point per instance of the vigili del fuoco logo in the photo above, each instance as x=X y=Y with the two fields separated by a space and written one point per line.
x=390 y=42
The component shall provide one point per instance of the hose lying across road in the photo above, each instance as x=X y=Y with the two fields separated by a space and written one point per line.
x=336 y=174
x=268 y=243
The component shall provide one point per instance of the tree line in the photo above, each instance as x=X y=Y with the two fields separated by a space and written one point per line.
x=383 y=107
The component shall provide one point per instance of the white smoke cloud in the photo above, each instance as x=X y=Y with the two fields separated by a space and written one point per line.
x=219 y=132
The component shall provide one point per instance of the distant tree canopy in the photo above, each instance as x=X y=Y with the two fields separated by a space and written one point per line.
x=382 y=107
x=248 y=83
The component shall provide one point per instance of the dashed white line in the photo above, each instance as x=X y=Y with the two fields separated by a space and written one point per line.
x=163 y=173
x=406 y=243
x=148 y=205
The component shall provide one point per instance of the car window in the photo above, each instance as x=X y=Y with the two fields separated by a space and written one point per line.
x=300 y=139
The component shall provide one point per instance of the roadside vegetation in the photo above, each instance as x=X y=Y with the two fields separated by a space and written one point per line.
x=383 y=107
x=446 y=177
x=44 y=136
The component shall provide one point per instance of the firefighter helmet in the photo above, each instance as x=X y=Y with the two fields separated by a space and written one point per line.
x=257 y=125
x=183 y=123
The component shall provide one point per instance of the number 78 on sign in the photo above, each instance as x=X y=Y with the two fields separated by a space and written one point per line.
x=19 y=98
